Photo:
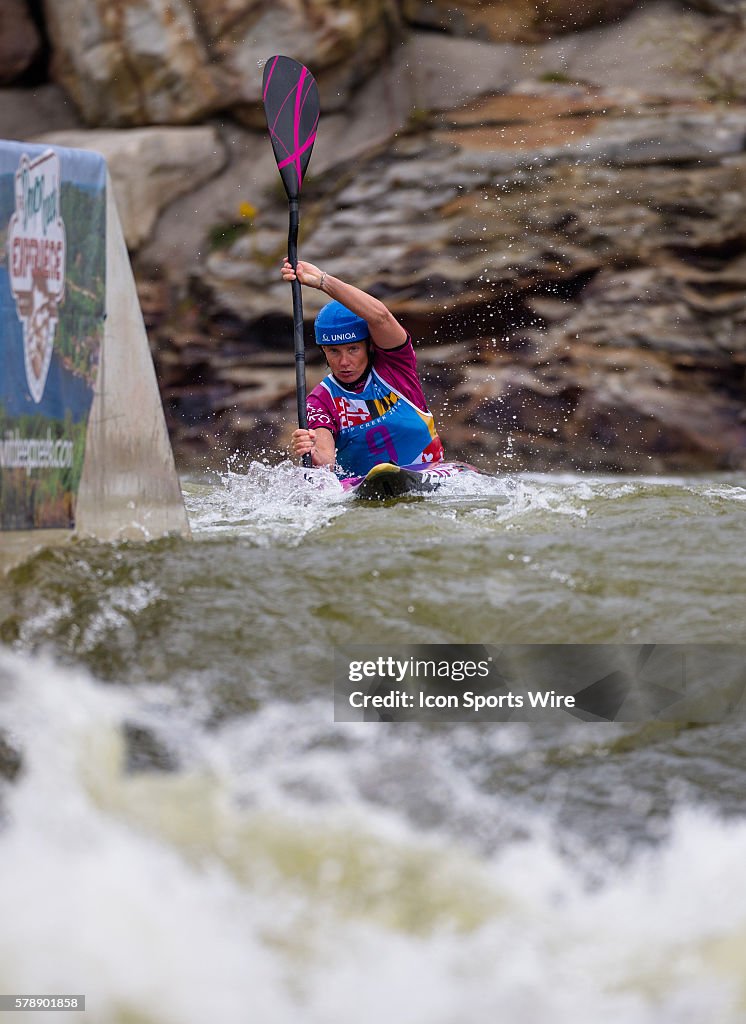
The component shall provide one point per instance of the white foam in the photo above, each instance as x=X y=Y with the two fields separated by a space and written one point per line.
x=284 y=503
x=266 y=503
x=209 y=895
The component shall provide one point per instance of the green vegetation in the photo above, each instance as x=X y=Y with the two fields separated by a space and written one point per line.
x=418 y=119
x=80 y=330
x=557 y=77
x=222 y=236
x=84 y=214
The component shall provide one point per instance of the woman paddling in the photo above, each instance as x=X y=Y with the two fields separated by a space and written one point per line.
x=371 y=408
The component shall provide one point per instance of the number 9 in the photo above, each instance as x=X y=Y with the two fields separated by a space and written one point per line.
x=380 y=442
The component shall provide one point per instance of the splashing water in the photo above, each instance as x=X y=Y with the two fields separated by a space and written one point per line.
x=225 y=887
x=198 y=838
x=285 y=502
x=266 y=503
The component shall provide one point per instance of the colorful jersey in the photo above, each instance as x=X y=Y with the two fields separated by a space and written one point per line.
x=385 y=419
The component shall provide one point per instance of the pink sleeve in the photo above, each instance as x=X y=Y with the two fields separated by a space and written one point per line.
x=398 y=367
x=320 y=410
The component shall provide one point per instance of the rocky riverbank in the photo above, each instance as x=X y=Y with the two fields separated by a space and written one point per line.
x=553 y=207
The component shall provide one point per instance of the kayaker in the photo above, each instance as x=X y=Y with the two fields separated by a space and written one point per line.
x=371 y=408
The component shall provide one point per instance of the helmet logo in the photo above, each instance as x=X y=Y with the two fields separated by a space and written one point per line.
x=347 y=336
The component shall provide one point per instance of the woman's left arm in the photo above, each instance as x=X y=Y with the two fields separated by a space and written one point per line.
x=385 y=329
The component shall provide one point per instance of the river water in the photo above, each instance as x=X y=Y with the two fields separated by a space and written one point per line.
x=187 y=835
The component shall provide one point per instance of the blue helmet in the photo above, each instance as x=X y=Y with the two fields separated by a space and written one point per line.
x=338 y=325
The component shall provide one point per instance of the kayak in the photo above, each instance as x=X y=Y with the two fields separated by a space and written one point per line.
x=389 y=481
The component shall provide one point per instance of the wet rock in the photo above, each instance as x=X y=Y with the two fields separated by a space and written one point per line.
x=149 y=167
x=591 y=266
x=20 y=42
x=732 y=8
x=11 y=761
x=648 y=54
x=132 y=63
x=142 y=62
x=26 y=113
x=514 y=20
x=342 y=43
x=561 y=208
x=717 y=59
x=655 y=383
x=258 y=389
x=145 y=751
x=431 y=73
x=524 y=204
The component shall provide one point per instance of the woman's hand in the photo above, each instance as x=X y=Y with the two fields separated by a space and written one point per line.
x=319 y=443
x=303 y=442
x=306 y=273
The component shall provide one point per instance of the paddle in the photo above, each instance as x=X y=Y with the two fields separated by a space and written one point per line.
x=291 y=106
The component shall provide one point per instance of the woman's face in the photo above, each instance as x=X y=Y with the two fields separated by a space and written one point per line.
x=347 y=362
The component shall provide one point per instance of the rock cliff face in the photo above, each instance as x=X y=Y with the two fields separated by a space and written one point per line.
x=551 y=201
x=513 y=20
x=20 y=42
x=139 y=62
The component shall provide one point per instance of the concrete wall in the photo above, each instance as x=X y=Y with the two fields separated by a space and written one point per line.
x=129 y=487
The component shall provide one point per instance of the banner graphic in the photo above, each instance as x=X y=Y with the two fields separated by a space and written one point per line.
x=52 y=308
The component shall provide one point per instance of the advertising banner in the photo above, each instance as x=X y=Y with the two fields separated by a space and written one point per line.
x=52 y=308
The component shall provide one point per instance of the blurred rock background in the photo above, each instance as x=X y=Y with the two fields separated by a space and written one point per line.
x=551 y=195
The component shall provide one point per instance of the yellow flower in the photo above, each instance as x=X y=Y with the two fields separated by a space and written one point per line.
x=247 y=211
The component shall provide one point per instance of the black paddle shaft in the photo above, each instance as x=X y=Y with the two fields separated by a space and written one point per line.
x=298 y=340
x=291 y=105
